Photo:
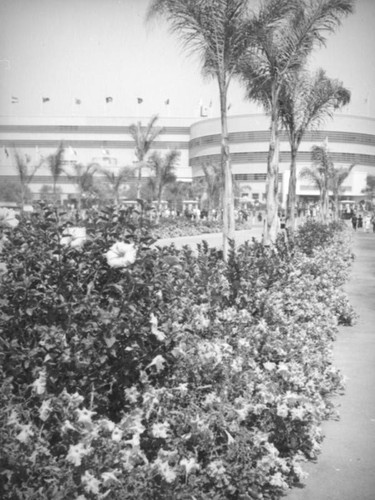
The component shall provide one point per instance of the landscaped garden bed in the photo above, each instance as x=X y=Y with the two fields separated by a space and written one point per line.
x=134 y=372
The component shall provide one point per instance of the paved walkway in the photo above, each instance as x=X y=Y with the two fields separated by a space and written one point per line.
x=213 y=239
x=345 y=470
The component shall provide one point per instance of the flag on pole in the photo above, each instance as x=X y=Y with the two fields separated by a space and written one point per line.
x=139 y=100
x=45 y=99
x=14 y=100
x=108 y=99
x=78 y=101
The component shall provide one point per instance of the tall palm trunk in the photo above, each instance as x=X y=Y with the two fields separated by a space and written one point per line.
x=228 y=206
x=325 y=201
x=291 y=201
x=272 y=184
x=139 y=181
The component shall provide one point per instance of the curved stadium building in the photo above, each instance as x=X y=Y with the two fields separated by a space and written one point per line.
x=107 y=142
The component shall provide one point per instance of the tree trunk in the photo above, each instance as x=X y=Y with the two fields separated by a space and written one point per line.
x=228 y=208
x=291 y=202
x=272 y=184
x=139 y=182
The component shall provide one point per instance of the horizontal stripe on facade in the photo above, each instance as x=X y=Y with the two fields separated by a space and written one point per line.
x=47 y=179
x=82 y=129
x=264 y=136
x=87 y=144
x=303 y=157
x=249 y=177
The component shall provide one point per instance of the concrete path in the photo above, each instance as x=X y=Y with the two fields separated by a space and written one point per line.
x=345 y=470
x=213 y=239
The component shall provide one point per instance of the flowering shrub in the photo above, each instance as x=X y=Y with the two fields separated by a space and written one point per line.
x=129 y=371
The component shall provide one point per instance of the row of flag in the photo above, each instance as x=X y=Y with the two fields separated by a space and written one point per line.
x=15 y=100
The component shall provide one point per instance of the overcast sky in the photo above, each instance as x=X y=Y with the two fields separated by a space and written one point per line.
x=93 y=49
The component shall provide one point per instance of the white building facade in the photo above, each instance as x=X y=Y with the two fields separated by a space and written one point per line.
x=107 y=143
x=351 y=140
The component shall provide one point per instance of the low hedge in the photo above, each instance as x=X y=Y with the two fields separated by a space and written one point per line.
x=129 y=371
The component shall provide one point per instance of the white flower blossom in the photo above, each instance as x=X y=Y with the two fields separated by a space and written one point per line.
x=189 y=465
x=25 y=433
x=13 y=418
x=269 y=366
x=121 y=254
x=211 y=398
x=8 y=217
x=278 y=481
x=158 y=362
x=45 y=410
x=134 y=441
x=160 y=430
x=84 y=416
x=74 y=237
x=282 y=410
x=76 y=453
x=91 y=484
x=108 y=425
x=165 y=470
x=116 y=435
x=154 y=328
x=216 y=468
x=132 y=394
x=67 y=426
x=109 y=476
x=298 y=413
x=39 y=385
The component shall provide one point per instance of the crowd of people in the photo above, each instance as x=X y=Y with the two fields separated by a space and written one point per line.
x=365 y=221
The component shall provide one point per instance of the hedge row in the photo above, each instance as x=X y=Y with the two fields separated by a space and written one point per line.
x=134 y=372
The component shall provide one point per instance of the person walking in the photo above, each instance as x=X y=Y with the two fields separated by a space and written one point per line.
x=360 y=222
x=373 y=222
x=354 y=221
x=367 y=223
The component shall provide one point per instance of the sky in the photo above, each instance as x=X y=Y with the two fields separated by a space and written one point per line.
x=65 y=50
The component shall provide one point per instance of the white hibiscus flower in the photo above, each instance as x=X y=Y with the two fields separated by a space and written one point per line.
x=8 y=217
x=121 y=254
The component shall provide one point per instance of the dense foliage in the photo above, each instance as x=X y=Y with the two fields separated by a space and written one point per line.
x=132 y=371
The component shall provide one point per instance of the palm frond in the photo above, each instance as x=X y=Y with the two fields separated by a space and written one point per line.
x=211 y=28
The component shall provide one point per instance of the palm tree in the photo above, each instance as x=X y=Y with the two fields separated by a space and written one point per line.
x=84 y=178
x=319 y=176
x=26 y=172
x=55 y=163
x=143 y=138
x=178 y=191
x=215 y=30
x=162 y=174
x=213 y=178
x=116 y=180
x=282 y=36
x=337 y=178
x=305 y=102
